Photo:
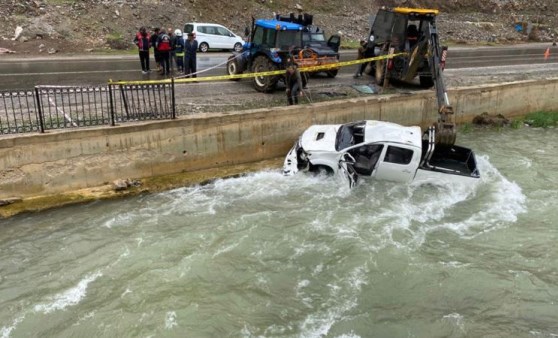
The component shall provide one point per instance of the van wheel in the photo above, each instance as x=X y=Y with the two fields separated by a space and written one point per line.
x=265 y=84
x=233 y=67
x=204 y=47
x=238 y=47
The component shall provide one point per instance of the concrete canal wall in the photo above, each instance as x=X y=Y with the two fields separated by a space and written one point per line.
x=61 y=161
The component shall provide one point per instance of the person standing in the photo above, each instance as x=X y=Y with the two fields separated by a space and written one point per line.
x=190 y=50
x=360 y=56
x=293 y=81
x=164 y=47
x=369 y=52
x=172 y=57
x=142 y=41
x=179 y=50
x=153 y=43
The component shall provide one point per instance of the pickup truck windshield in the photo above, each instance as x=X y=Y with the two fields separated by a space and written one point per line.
x=349 y=135
x=313 y=37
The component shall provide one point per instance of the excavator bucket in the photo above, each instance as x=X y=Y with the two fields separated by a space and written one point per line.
x=446 y=132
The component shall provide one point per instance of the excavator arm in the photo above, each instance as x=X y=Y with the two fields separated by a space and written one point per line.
x=445 y=126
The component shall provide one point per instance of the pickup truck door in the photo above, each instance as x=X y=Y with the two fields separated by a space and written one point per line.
x=398 y=164
x=347 y=171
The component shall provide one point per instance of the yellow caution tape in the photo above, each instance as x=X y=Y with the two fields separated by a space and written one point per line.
x=328 y=66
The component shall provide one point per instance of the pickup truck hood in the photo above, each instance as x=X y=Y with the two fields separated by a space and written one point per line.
x=323 y=50
x=320 y=138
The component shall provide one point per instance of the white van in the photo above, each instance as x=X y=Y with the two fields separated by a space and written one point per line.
x=213 y=36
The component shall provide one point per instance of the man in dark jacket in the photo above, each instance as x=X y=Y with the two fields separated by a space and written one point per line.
x=172 y=58
x=293 y=81
x=190 y=50
x=153 y=42
x=142 y=41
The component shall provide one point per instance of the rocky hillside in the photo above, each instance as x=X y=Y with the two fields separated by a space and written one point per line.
x=34 y=27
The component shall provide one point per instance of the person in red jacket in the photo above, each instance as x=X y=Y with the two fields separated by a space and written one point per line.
x=142 y=41
x=164 y=47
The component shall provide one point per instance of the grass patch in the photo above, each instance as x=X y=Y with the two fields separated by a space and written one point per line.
x=465 y=128
x=349 y=44
x=542 y=119
x=116 y=41
x=516 y=124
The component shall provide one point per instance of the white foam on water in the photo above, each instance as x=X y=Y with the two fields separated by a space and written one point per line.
x=85 y=317
x=121 y=219
x=343 y=297
x=228 y=248
x=542 y=334
x=417 y=209
x=348 y=335
x=127 y=291
x=199 y=200
x=69 y=297
x=504 y=202
x=170 y=320
x=456 y=320
x=6 y=331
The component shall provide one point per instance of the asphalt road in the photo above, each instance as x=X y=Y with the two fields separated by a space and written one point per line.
x=25 y=73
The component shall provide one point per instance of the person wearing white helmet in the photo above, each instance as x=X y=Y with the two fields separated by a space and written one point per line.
x=179 y=50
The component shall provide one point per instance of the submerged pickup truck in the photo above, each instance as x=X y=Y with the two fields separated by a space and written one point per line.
x=380 y=150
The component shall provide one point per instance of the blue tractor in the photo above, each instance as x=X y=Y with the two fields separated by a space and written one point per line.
x=275 y=42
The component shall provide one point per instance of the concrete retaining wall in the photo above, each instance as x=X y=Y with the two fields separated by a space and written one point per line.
x=45 y=164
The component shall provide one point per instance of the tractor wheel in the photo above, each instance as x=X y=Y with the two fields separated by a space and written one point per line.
x=233 y=67
x=426 y=81
x=380 y=72
x=264 y=84
x=332 y=73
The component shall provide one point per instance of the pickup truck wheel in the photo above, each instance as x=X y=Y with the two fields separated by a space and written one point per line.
x=233 y=67
x=426 y=81
x=321 y=169
x=204 y=47
x=264 y=84
x=332 y=73
x=380 y=72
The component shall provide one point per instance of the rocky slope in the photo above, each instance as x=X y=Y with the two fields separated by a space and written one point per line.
x=35 y=27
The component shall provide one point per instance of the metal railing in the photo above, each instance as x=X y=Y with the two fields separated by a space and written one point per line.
x=58 y=107
x=18 y=112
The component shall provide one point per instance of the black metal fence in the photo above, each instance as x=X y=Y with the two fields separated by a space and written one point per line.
x=57 y=107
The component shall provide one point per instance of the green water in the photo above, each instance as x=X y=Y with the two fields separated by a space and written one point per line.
x=272 y=256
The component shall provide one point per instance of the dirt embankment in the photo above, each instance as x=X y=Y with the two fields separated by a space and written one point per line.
x=40 y=27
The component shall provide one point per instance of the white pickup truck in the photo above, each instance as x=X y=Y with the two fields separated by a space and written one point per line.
x=381 y=150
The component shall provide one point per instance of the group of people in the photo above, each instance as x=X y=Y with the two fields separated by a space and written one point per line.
x=169 y=49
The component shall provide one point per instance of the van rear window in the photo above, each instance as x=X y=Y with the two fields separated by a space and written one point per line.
x=188 y=28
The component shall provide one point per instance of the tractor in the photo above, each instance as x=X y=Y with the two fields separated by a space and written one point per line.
x=276 y=42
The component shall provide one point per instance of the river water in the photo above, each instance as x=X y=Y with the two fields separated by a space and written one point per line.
x=272 y=256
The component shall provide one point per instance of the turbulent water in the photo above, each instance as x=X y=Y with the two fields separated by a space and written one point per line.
x=272 y=256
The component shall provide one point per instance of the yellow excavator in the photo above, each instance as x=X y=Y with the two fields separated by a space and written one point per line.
x=412 y=31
